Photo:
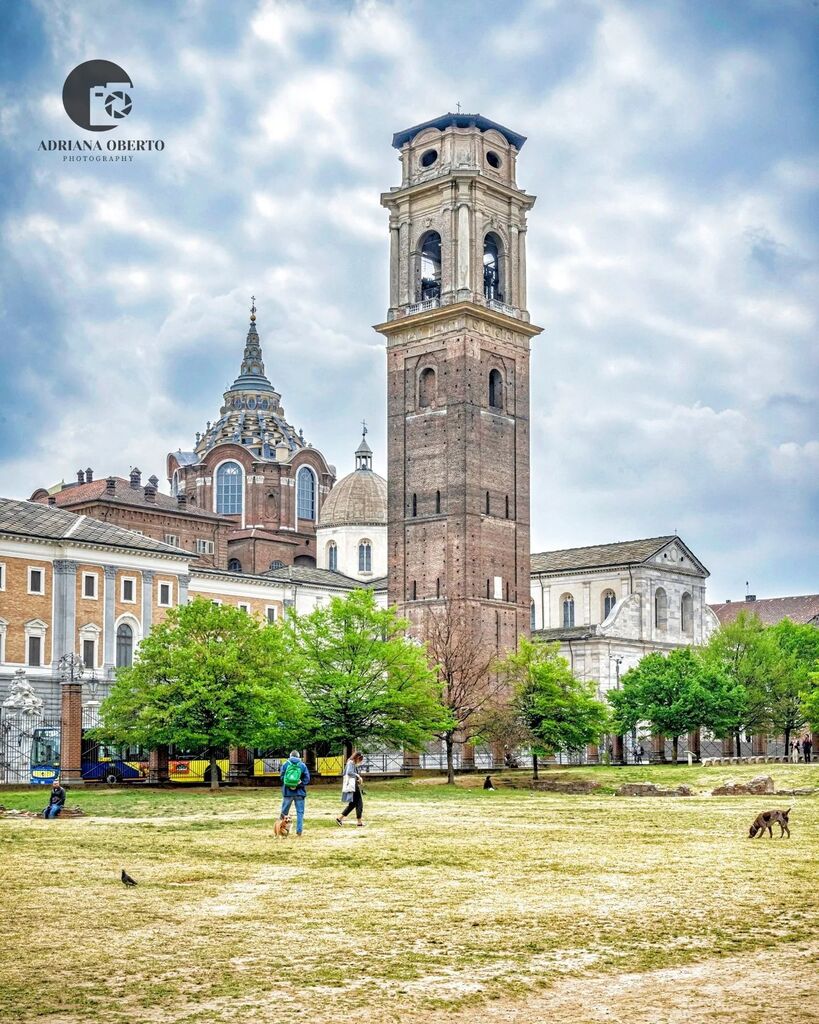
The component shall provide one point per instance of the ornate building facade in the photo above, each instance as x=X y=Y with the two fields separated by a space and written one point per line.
x=458 y=336
x=252 y=467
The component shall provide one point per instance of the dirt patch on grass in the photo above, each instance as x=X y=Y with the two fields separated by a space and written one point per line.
x=773 y=986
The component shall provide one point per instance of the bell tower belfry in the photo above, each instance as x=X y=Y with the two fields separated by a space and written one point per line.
x=457 y=336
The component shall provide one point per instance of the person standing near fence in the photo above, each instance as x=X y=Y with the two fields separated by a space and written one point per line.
x=807 y=746
x=351 y=792
x=56 y=800
x=295 y=778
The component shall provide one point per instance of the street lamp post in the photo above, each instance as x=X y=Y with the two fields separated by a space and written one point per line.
x=618 y=740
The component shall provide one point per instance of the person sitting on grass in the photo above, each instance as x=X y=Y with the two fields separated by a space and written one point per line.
x=56 y=800
x=351 y=792
x=295 y=777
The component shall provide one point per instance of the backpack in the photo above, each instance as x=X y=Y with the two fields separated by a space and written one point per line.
x=292 y=775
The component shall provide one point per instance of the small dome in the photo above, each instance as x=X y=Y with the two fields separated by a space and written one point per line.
x=359 y=498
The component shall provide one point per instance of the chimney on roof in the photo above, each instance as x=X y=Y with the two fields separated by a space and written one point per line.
x=52 y=500
x=80 y=476
x=750 y=597
x=150 y=492
x=136 y=477
x=182 y=499
x=89 y=475
x=154 y=482
x=110 y=485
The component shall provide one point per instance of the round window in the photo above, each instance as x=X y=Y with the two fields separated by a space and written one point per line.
x=493 y=159
x=429 y=158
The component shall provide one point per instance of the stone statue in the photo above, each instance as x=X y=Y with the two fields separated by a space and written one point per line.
x=22 y=696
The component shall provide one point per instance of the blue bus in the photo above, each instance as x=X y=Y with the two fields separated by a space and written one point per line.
x=100 y=762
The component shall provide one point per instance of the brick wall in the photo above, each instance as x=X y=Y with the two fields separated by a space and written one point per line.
x=18 y=607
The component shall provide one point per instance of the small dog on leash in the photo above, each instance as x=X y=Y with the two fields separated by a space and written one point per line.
x=282 y=827
x=767 y=820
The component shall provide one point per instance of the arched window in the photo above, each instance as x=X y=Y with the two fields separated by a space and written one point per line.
x=609 y=601
x=495 y=390
x=332 y=556
x=567 y=604
x=305 y=560
x=660 y=608
x=430 y=266
x=687 y=614
x=234 y=565
x=365 y=556
x=532 y=621
x=427 y=388
x=492 y=267
x=229 y=489
x=306 y=494
x=125 y=645
x=277 y=563
x=437 y=501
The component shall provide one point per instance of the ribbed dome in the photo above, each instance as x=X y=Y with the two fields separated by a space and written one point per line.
x=357 y=499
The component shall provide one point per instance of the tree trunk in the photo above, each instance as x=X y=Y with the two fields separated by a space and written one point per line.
x=787 y=744
x=450 y=766
x=214 y=776
x=738 y=741
x=348 y=750
x=675 y=747
x=534 y=765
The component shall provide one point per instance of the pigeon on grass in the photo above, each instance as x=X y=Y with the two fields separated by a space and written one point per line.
x=126 y=878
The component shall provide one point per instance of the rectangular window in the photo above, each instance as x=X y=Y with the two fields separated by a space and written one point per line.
x=164 y=595
x=36 y=582
x=244 y=608
x=35 y=644
x=89 y=584
x=128 y=590
x=271 y=613
x=89 y=653
x=172 y=538
x=204 y=547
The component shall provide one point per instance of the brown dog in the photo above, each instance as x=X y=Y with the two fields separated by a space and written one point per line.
x=282 y=827
x=766 y=820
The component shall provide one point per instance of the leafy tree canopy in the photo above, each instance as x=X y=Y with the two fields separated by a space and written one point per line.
x=363 y=680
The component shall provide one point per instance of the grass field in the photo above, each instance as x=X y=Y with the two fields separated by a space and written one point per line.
x=453 y=904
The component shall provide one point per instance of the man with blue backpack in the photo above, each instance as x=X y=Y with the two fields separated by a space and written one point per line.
x=295 y=778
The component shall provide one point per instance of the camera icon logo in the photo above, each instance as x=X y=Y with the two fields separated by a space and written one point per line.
x=97 y=95
x=108 y=104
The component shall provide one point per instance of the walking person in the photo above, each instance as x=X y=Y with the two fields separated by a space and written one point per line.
x=807 y=746
x=56 y=800
x=295 y=778
x=351 y=792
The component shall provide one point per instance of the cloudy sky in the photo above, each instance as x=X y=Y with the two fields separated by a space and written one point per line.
x=672 y=251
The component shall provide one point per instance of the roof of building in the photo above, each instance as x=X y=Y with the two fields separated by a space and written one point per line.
x=358 y=499
x=450 y=120
x=31 y=520
x=567 y=633
x=124 y=493
x=770 y=610
x=323 y=578
x=598 y=556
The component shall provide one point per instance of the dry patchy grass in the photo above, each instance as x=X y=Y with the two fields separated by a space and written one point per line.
x=508 y=906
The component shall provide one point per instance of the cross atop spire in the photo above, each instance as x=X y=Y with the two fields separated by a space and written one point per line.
x=363 y=428
x=253 y=309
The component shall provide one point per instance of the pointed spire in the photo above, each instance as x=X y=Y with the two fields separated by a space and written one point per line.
x=251 y=375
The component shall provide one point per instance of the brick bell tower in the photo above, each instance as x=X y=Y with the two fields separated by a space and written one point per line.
x=457 y=336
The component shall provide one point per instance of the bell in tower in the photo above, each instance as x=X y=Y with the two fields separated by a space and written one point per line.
x=458 y=220
x=458 y=335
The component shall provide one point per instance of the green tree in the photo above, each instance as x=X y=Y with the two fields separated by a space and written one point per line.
x=208 y=676
x=749 y=656
x=559 y=711
x=675 y=693
x=811 y=700
x=363 y=680
x=790 y=690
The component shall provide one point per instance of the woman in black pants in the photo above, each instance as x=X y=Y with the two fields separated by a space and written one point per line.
x=351 y=789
